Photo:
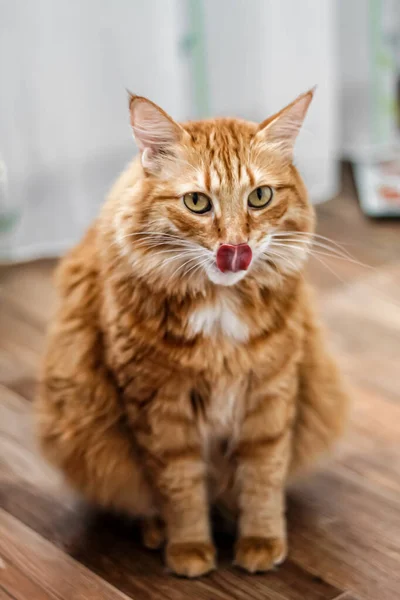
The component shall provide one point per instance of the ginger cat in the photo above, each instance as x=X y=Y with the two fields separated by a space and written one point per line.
x=185 y=366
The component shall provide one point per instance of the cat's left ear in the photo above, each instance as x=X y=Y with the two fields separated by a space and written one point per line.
x=282 y=129
x=155 y=132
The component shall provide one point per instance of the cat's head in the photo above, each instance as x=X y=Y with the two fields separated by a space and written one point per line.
x=216 y=200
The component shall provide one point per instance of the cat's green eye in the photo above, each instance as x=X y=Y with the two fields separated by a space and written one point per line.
x=260 y=197
x=197 y=202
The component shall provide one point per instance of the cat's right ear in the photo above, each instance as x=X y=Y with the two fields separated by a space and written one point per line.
x=281 y=130
x=155 y=132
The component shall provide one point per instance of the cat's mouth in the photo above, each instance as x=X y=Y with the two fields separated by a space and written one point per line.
x=232 y=258
x=232 y=261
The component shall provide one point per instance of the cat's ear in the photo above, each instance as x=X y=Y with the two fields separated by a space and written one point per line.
x=155 y=132
x=282 y=129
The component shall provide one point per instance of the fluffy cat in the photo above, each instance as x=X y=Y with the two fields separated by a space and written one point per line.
x=185 y=366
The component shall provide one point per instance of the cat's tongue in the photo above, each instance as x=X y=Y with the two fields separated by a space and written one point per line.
x=233 y=258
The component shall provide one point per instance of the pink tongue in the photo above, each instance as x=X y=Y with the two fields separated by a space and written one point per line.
x=233 y=258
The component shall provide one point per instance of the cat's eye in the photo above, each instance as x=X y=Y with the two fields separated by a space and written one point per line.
x=260 y=197
x=197 y=202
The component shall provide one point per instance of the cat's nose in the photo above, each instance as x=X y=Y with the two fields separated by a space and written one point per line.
x=234 y=258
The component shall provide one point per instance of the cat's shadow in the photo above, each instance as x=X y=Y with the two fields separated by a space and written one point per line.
x=112 y=541
x=111 y=544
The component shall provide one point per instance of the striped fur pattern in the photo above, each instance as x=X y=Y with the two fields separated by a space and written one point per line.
x=168 y=385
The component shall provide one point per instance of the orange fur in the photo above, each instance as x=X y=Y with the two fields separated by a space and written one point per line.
x=168 y=385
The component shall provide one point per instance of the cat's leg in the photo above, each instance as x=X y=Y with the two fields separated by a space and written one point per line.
x=263 y=455
x=167 y=433
x=322 y=403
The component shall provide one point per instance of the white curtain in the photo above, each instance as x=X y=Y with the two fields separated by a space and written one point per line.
x=64 y=67
x=369 y=83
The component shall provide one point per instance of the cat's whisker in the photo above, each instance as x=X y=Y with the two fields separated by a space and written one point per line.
x=175 y=244
x=318 y=254
x=330 y=252
x=163 y=242
x=178 y=243
x=165 y=262
x=153 y=244
x=146 y=234
x=303 y=236
x=178 y=256
x=173 y=275
x=314 y=252
x=138 y=242
x=286 y=256
x=153 y=233
x=173 y=247
x=176 y=250
x=282 y=257
x=324 y=263
x=169 y=244
x=168 y=248
x=316 y=237
x=308 y=242
x=198 y=266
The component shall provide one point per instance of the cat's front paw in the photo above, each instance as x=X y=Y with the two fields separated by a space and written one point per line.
x=258 y=554
x=191 y=559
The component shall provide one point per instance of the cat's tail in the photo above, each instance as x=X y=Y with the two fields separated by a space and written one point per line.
x=323 y=403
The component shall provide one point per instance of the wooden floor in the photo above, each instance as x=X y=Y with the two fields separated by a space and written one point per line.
x=344 y=522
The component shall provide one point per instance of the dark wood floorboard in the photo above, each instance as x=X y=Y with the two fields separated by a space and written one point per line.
x=344 y=520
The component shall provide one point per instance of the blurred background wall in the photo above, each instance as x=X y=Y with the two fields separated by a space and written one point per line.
x=65 y=64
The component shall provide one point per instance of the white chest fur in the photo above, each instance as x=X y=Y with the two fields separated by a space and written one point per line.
x=219 y=317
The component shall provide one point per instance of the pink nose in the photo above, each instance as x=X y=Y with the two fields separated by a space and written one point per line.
x=233 y=258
